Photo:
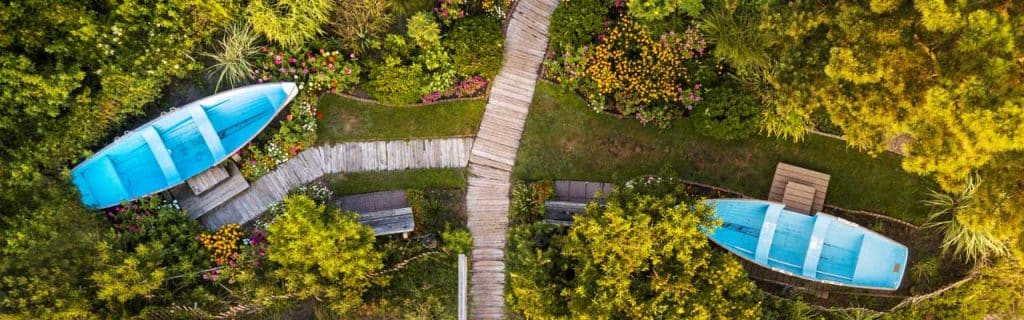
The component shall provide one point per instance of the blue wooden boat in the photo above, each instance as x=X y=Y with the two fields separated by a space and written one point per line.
x=820 y=248
x=178 y=145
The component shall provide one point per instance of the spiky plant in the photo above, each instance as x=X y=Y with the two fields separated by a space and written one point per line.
x=970 y=244
x=857 y=314
x=239 y=46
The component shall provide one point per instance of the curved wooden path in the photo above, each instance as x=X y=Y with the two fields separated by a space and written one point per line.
x=312 y=164
x=494 y=154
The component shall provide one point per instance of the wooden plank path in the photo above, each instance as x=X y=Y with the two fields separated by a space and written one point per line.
x=494 y=154
x=312 y=164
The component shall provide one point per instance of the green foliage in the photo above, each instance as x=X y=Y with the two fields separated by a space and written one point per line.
x=457 y=240
x=641 y=257
x=424 y=30
x=536 y=272
x=926 y=270
x=394 y=82
x=775 y=308
x=997 y=293
x=233 y=63
x=130 y=275
x=46 y=257
x=72 y=72
x=475 y=44
x=322 y=253
x=576 y=23
x=970 y=244
x=359 y=24
x=650 y=10
x=945 y=73
x=289 y=23
x=728 y=112
x=528 y=201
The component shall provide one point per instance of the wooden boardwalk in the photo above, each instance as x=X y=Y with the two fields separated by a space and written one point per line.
x=312 y=164
x=494 y=154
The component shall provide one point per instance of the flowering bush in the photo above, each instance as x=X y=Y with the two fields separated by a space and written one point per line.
x=644 y=77
x=318 y=192
x=465 y=88
x=297 y=132
x=450 y=10
x=223 y=244
x=323 y=71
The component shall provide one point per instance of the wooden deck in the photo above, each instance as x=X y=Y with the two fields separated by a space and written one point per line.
x=784 y=173
x=207 y=179
x=494 y=153
x=213 y=195
x=340 y=158
x=387 y=212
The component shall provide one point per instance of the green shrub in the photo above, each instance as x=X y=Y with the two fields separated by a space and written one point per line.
x=424 y=30
x=475 y=44
x=650 y=10
x=575 y=23
x=234 y=61
x=528 y=201
x=393 y=82
x=360 y=23
x=727 y=113
x=457 y=240
x=289 y=23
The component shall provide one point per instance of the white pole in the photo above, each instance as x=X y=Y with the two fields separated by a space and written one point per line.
x=462 y=286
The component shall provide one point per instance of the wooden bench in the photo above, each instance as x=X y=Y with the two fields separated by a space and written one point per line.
x=571 y=198
x=798 y=182
x=387 y=212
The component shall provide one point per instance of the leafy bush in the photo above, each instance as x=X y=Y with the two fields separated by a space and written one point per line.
x=650 y=10
x=528 y=201
x=423 y=30
x=475 y=44
x=497 y=8
x=394 y=82
x=232 y=63
x=322 y=253
x=644 y=77
x=359 y=24
x=290 y=23
x=457 y=240
x=450 y=10
x=727 y=113
x=576 y=23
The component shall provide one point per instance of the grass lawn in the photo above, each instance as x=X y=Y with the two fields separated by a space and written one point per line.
x=421 y=179
x=565 y=139
x=344 y=119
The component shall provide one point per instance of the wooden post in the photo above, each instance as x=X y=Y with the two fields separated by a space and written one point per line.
x=462 y=286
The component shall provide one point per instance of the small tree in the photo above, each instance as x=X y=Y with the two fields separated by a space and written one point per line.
x=970 y=243
x=322 y=253
x=232 y=63
x=289 y=23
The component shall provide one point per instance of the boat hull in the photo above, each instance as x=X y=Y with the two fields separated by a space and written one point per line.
x=179 y=144
x=820 y=248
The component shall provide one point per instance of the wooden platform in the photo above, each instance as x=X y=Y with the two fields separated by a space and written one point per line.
x=373 y=201
x=785 y=173
x=391 y=221
x=214 y=195
x=494 y=153
x=313 y=163
x=207 y=179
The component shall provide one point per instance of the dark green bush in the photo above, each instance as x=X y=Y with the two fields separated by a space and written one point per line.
x=575 y=23
x=727 y=112
x=475 y=44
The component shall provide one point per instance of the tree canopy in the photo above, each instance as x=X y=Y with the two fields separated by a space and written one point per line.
x=641 y=257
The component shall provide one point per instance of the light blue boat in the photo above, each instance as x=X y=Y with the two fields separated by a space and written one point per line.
x=821 y=247
x=178 y=145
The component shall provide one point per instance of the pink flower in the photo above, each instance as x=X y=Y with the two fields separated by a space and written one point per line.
x=277 y=59
x=347 y=70
x=330 y=66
